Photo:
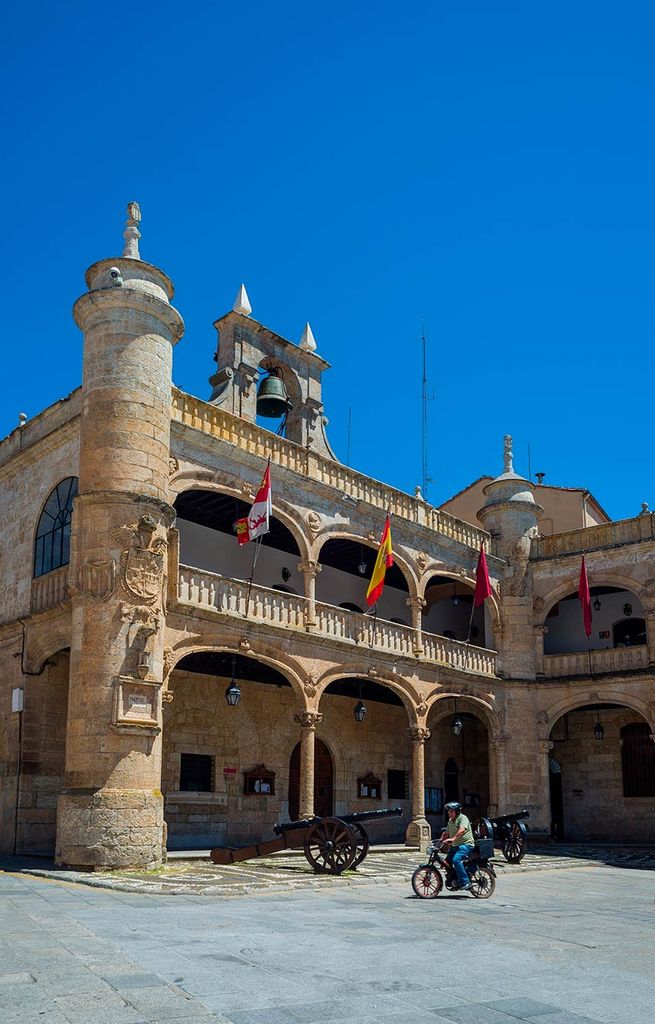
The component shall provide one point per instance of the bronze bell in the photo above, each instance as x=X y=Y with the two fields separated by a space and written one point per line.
x=272 y=398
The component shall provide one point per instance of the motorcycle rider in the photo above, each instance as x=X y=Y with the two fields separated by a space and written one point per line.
x=458 y=835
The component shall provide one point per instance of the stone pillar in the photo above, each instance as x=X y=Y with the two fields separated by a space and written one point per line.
x=418 y=831
x=539 y=634
x=649 y=617
x=310 y=571
x=308 y=721
x=110 y=813
x=542 y=816
x=417 y=604
x=497 y=775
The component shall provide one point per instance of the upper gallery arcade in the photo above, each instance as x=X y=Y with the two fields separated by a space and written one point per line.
x=127 y=616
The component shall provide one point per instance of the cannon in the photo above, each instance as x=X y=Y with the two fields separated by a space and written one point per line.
x=508 y=831
x=331 y=845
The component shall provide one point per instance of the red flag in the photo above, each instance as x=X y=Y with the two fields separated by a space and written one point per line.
x=482 y=585
x=256 y=522
x=585 y=598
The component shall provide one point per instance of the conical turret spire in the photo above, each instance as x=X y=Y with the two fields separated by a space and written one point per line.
x=242 y=302
x=308 y=341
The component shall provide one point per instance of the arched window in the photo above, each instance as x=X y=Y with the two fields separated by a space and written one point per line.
x=638 y=760
x=53 y=534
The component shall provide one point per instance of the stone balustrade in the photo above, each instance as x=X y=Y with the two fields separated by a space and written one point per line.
x=606 y=535
x=49 y=590
x=209 y=590
x=613 y=659
x=249 y=437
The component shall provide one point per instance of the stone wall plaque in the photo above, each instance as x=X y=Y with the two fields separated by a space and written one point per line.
x=136 y=703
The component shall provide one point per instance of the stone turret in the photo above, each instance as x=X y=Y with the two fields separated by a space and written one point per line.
x=110 y=812
x=510 y=513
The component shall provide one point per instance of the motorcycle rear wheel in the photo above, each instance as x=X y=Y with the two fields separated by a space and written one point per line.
x=483 y=884
x=427 y=882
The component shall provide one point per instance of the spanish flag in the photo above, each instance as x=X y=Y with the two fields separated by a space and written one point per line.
x=383 y=562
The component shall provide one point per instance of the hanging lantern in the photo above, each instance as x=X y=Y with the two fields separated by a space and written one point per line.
x=599 y=731
x=456 y=725
x=272 y=398
x=360 y=711
x=233 y=693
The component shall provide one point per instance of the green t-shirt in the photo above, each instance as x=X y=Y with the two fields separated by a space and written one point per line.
x=457 y=823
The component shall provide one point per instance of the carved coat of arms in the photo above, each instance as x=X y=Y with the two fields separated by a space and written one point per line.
x=98 y=579
x=142 y=565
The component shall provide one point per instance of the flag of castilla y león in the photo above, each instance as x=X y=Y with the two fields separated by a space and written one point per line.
x=256 y=523
x=383 y=562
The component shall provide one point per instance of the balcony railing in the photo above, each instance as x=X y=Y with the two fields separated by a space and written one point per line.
x=287 y=611
x=49 y=590
x=249 y=437
x=613 y=659
x=607 y=535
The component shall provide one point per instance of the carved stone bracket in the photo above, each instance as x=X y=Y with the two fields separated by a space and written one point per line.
x=308 y=719
x=244 y=644
x=309 y=685
x=311 y=568
x=422 y=560
x=422 y=706
x=419 y=733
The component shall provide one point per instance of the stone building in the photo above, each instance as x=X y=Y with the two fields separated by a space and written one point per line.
x=127 y=618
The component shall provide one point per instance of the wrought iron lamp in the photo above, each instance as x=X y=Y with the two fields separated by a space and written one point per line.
x=361 y=710
x=233 y=693
x=599 y=731
x=456 y=725
x=596 y=604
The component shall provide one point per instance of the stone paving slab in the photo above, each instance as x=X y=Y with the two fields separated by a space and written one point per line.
x=290 y=872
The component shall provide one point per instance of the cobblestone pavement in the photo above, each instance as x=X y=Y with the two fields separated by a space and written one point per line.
x=272 y=874
x=568 y=946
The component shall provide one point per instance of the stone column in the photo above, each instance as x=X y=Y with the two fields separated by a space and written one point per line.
x=418 y=831
x=649 y=617
x=497 y=775
x=310 y=571
x=308 y=721
x=417 y=604
x=539 y=634
x=541 y=817
x=110 y=812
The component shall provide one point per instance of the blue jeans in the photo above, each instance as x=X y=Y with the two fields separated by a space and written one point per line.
x=455 y=856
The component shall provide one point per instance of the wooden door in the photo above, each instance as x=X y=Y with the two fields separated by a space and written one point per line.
x=323 y=781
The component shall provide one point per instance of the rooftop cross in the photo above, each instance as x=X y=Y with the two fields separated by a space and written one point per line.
x=132 y=233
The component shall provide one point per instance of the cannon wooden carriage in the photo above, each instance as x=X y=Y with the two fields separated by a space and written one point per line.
x=331 y=845
x=507 y=831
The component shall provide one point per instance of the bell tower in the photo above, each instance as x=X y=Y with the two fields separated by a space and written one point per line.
x=260 y=373
x=110 y=812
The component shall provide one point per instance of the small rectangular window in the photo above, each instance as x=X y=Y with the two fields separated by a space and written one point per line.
x=196 y=773
x=433 y=800
x=397 y=784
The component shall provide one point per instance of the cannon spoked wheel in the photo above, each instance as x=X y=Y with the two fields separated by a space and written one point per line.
x=483 y=829
x=330 y=846
x=515 y=842
x=362 y=843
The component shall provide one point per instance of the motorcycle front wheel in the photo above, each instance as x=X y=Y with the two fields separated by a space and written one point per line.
x=483 y=884
x=426 y=882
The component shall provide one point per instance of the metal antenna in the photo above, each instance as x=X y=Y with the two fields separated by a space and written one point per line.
x=350 y=424
x=424 y=415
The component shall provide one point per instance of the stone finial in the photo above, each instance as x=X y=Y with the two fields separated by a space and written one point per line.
x=507 y=454
x=308 y=342
x=644 y=509
x=22 y=419
x=242 y=302
x=132 y=233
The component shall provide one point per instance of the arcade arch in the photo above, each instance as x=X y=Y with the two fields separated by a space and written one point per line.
x=618 y=619
x=457 y=758
x=601 y=790
x=346 y=569
x=448 y=608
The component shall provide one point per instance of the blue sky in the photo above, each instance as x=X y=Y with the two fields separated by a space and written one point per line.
x=485 y=166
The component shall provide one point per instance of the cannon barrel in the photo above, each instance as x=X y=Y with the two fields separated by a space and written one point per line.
x=502 y=819
x=293 y=826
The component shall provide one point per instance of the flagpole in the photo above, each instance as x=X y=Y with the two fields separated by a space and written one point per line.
x=591 y=674
x=468 y=639
x=258 y=545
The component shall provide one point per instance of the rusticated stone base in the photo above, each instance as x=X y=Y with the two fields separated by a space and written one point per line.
x=418 y=834
x=103 y=829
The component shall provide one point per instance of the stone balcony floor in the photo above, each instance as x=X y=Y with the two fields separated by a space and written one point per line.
x=279 y=873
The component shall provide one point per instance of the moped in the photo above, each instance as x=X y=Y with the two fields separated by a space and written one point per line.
x=427 y=880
